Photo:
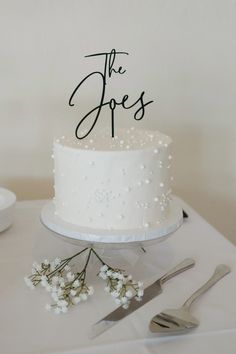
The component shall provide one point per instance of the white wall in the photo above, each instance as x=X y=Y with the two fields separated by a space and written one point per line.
x=182 y=53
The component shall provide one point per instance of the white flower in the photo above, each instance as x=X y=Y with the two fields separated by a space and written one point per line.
x=29 y=283
x=61 y=282
x=48 y=307
x=138 y=298
x=76 y=283
x=59 y=291
x=54 y=296
x=104 y=268
x=129 y=277
x=46 y=262
x=57 y=261
x=83 y=297
x=115 y=294
x=120 y=276
x=76 y=300
x=140 y=284
x=44 y=283
x=140 y=292
x=90 y=290
x=52 y=266
x=62 y=303
x=125 y=306
x=73 y=292
x=117 y=301
x=115 y=275
x=64 y=309
x=70 y=276
x=124 y=300
x=103 y=275
x=107 y=289
x=55 y=279
x=38 y=267
x=35 y=265
x=129 y=293
x=119 y=285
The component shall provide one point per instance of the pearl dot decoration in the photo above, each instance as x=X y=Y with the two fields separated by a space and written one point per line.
x=118 y=183
x=147 y=181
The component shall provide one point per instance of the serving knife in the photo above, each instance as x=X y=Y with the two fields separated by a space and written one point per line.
x=150 y=292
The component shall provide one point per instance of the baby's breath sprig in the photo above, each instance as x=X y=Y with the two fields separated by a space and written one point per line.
x=71 y=291
x=120 y=285
x=44 y=273
x=68 y=288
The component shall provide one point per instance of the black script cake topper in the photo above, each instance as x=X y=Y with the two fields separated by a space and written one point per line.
x=105 y=75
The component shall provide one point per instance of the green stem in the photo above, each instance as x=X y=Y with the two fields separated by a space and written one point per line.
x=100 y=259
x=65 y=262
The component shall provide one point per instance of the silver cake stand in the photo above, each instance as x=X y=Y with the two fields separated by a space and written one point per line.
x=88 y=237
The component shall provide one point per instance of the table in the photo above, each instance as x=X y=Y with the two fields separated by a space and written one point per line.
x=25 y=327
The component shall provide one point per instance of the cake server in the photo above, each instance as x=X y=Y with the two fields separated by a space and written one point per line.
x=174 y=321
x=149 y=293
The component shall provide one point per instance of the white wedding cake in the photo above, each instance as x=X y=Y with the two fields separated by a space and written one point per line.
x=120 y=183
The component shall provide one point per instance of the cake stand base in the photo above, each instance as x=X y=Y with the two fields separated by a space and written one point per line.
x=112 y=239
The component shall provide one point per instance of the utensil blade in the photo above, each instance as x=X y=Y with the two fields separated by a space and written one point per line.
x=115 y=316
x=150 y=292
x=100 y=327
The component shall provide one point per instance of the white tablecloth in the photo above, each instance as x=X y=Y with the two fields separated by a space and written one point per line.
x=25 y=327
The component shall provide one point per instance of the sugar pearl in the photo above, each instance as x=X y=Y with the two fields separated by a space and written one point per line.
x=155 y=151
x=156 y=199
x=121 y=216
x=147 y=224
x=161 y=184
x=147 y=181
x=142 y=167
x=170 y=157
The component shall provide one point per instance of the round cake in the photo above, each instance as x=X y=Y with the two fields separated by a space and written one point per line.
x=120 y=183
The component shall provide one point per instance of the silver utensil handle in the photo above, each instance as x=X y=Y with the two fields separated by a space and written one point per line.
x=220 y=271
x=181 y=267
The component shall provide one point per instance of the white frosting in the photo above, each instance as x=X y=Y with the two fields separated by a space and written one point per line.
x=113 y=183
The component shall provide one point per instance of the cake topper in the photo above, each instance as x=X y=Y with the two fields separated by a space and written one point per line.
x=108 y=71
